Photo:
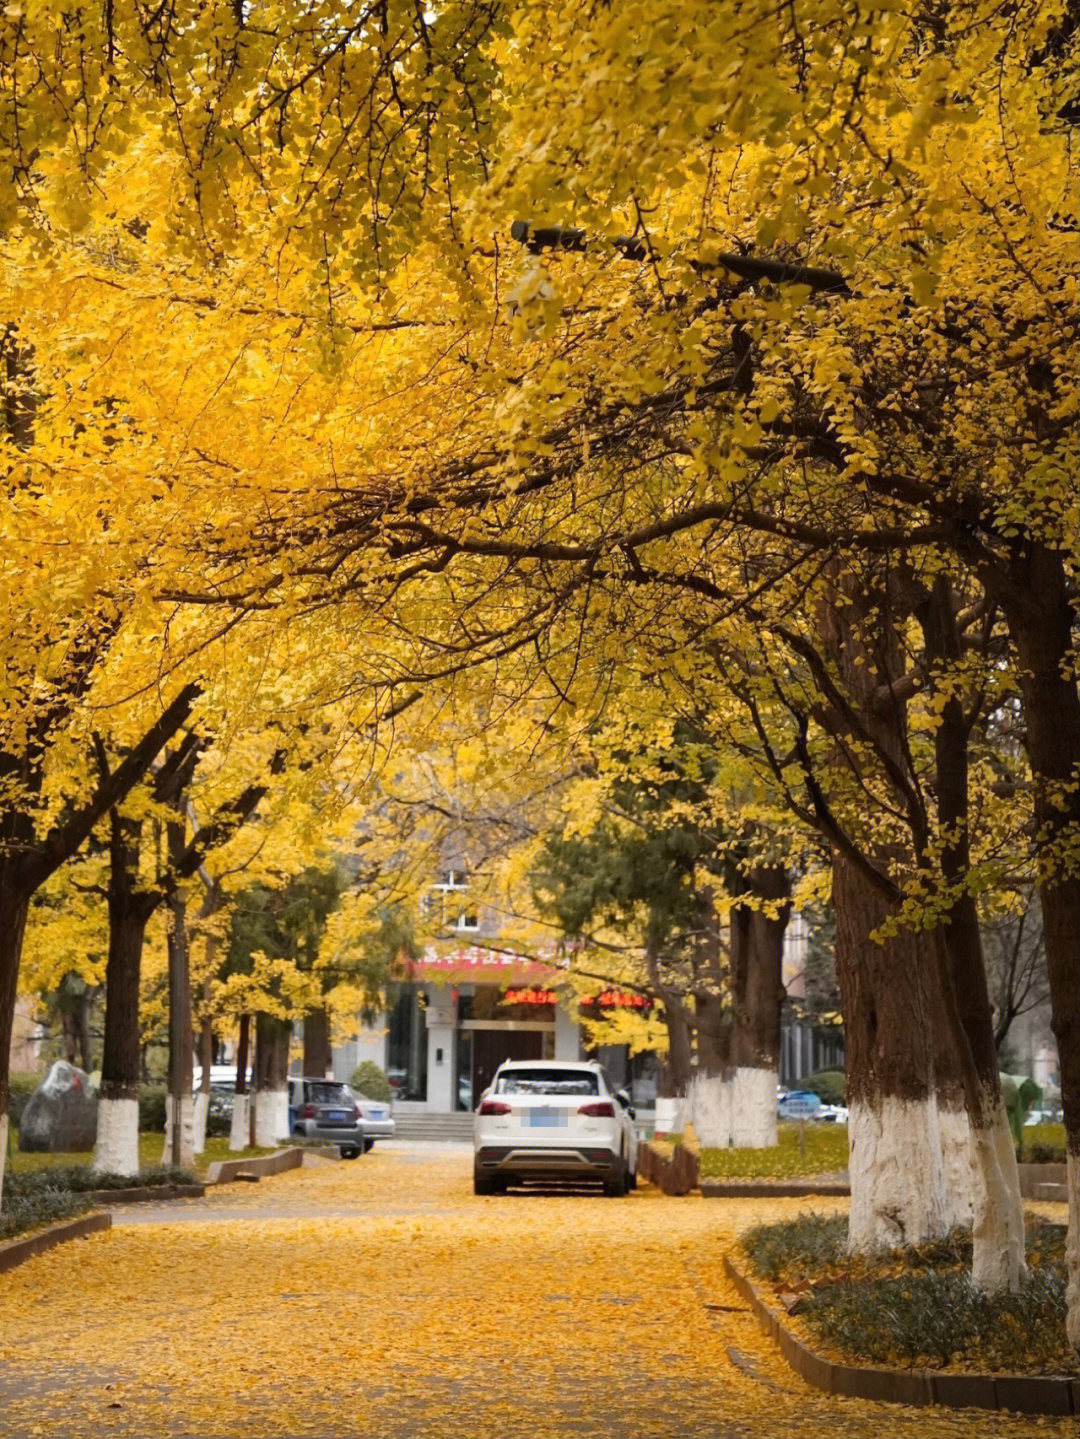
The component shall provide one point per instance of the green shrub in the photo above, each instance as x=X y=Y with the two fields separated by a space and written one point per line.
x=46 y=1206
x=368 y=1079
x=828 y=1084
x=917 y=1306
x=21 y=1087
x=798 y=1248
x=1042 y=1144
x=939 y=1319
x=78 y=1178
x=152 y=1099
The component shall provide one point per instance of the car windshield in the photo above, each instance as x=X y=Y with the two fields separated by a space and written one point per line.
x=547 y=1081
x=328 y=1094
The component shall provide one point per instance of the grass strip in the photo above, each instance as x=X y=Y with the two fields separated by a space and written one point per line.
x=826 y=1153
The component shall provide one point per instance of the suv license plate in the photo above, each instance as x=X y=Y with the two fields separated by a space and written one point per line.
x=547 y=1118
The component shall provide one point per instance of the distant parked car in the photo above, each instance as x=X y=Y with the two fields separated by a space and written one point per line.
x=328 y=1110
x=832 y=1113
x=324 y=1109
x=377 y=1120
x=1045 y=1116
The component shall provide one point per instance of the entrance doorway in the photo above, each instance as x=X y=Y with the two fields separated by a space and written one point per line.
x=491 y=1046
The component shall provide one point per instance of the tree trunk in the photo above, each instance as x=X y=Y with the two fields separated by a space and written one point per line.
x=206 y=1060
x=181 y=1039
x=239 y=1128
x=271 y=1083
x=998 y=1220
x=318 y=1057
x=208 y=908
x=14 y=905
x=1041 y=617
x=895 y=1151
x=710 y=1083
x=117 y=1147
x=897 y=1190
x=676 y=1072
x=757 y=1000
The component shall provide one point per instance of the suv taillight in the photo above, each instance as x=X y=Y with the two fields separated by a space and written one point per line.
x=494 y=1106
x=309 y=1111
x=602 y=1109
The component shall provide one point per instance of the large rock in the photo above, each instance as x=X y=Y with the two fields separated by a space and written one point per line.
x=61 y=1115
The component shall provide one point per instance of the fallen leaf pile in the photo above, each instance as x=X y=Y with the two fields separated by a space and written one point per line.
x=382 y=1298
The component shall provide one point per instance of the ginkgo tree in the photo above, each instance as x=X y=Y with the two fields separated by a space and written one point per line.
x=790 y=328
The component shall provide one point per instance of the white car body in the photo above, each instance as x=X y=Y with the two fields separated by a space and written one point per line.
x=552 y=1120
x=376 y=1116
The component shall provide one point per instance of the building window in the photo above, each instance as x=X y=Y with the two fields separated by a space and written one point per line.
x=453 y=879
x=467 y=921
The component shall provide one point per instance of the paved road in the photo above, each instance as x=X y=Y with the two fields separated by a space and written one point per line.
x=381 y=1300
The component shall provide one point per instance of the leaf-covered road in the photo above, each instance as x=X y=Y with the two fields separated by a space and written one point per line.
x=380 y=1298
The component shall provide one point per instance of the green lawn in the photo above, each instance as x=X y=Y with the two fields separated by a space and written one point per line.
x=151 y=1148
x=826 y=1152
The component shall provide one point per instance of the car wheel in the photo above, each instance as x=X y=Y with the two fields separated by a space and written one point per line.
x=487 y=1183
x=615 y=1183
x=348 y=1152
x=369 y=1144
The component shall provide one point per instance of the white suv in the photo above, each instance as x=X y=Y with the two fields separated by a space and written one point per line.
x=543 y=1119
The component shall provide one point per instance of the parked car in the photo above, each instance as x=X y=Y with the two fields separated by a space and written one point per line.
x=832 y=1113
x=329 y=1110
x=553 y=1120
x=1045 y=1115
x=377 y=1120
x=324 y=1109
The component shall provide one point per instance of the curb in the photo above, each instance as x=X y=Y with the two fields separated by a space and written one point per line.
x=224 y=1171
x=1034 y=1176
x=148 y=1194
x=673 y=1169
x=771 y=1189
x=16 y=1251
x=1021 y=1393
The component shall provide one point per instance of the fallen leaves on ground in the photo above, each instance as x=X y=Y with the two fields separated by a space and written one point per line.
x=383 y=1298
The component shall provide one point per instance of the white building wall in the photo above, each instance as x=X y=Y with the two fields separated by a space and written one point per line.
x=368 y=1044
x=567 y=1036
x=440 y=1090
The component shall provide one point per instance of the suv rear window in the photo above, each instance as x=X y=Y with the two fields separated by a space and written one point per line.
x=547 y=1081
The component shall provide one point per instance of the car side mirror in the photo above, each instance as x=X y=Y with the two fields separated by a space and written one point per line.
x=624 y=1099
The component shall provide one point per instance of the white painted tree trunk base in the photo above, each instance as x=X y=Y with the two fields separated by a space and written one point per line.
x=198 y=1121
x=709 y=1105
x=959 y=1181
x=271 y=1117
x=998 y=1261
x=1072 y=1252
x=240 y=1125
x=753 y=1108
x=116 y=1150
x=672 y=1112
x=187 y=1130
x=896 y=1180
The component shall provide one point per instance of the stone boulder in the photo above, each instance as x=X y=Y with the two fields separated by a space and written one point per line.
x=60 y=1116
